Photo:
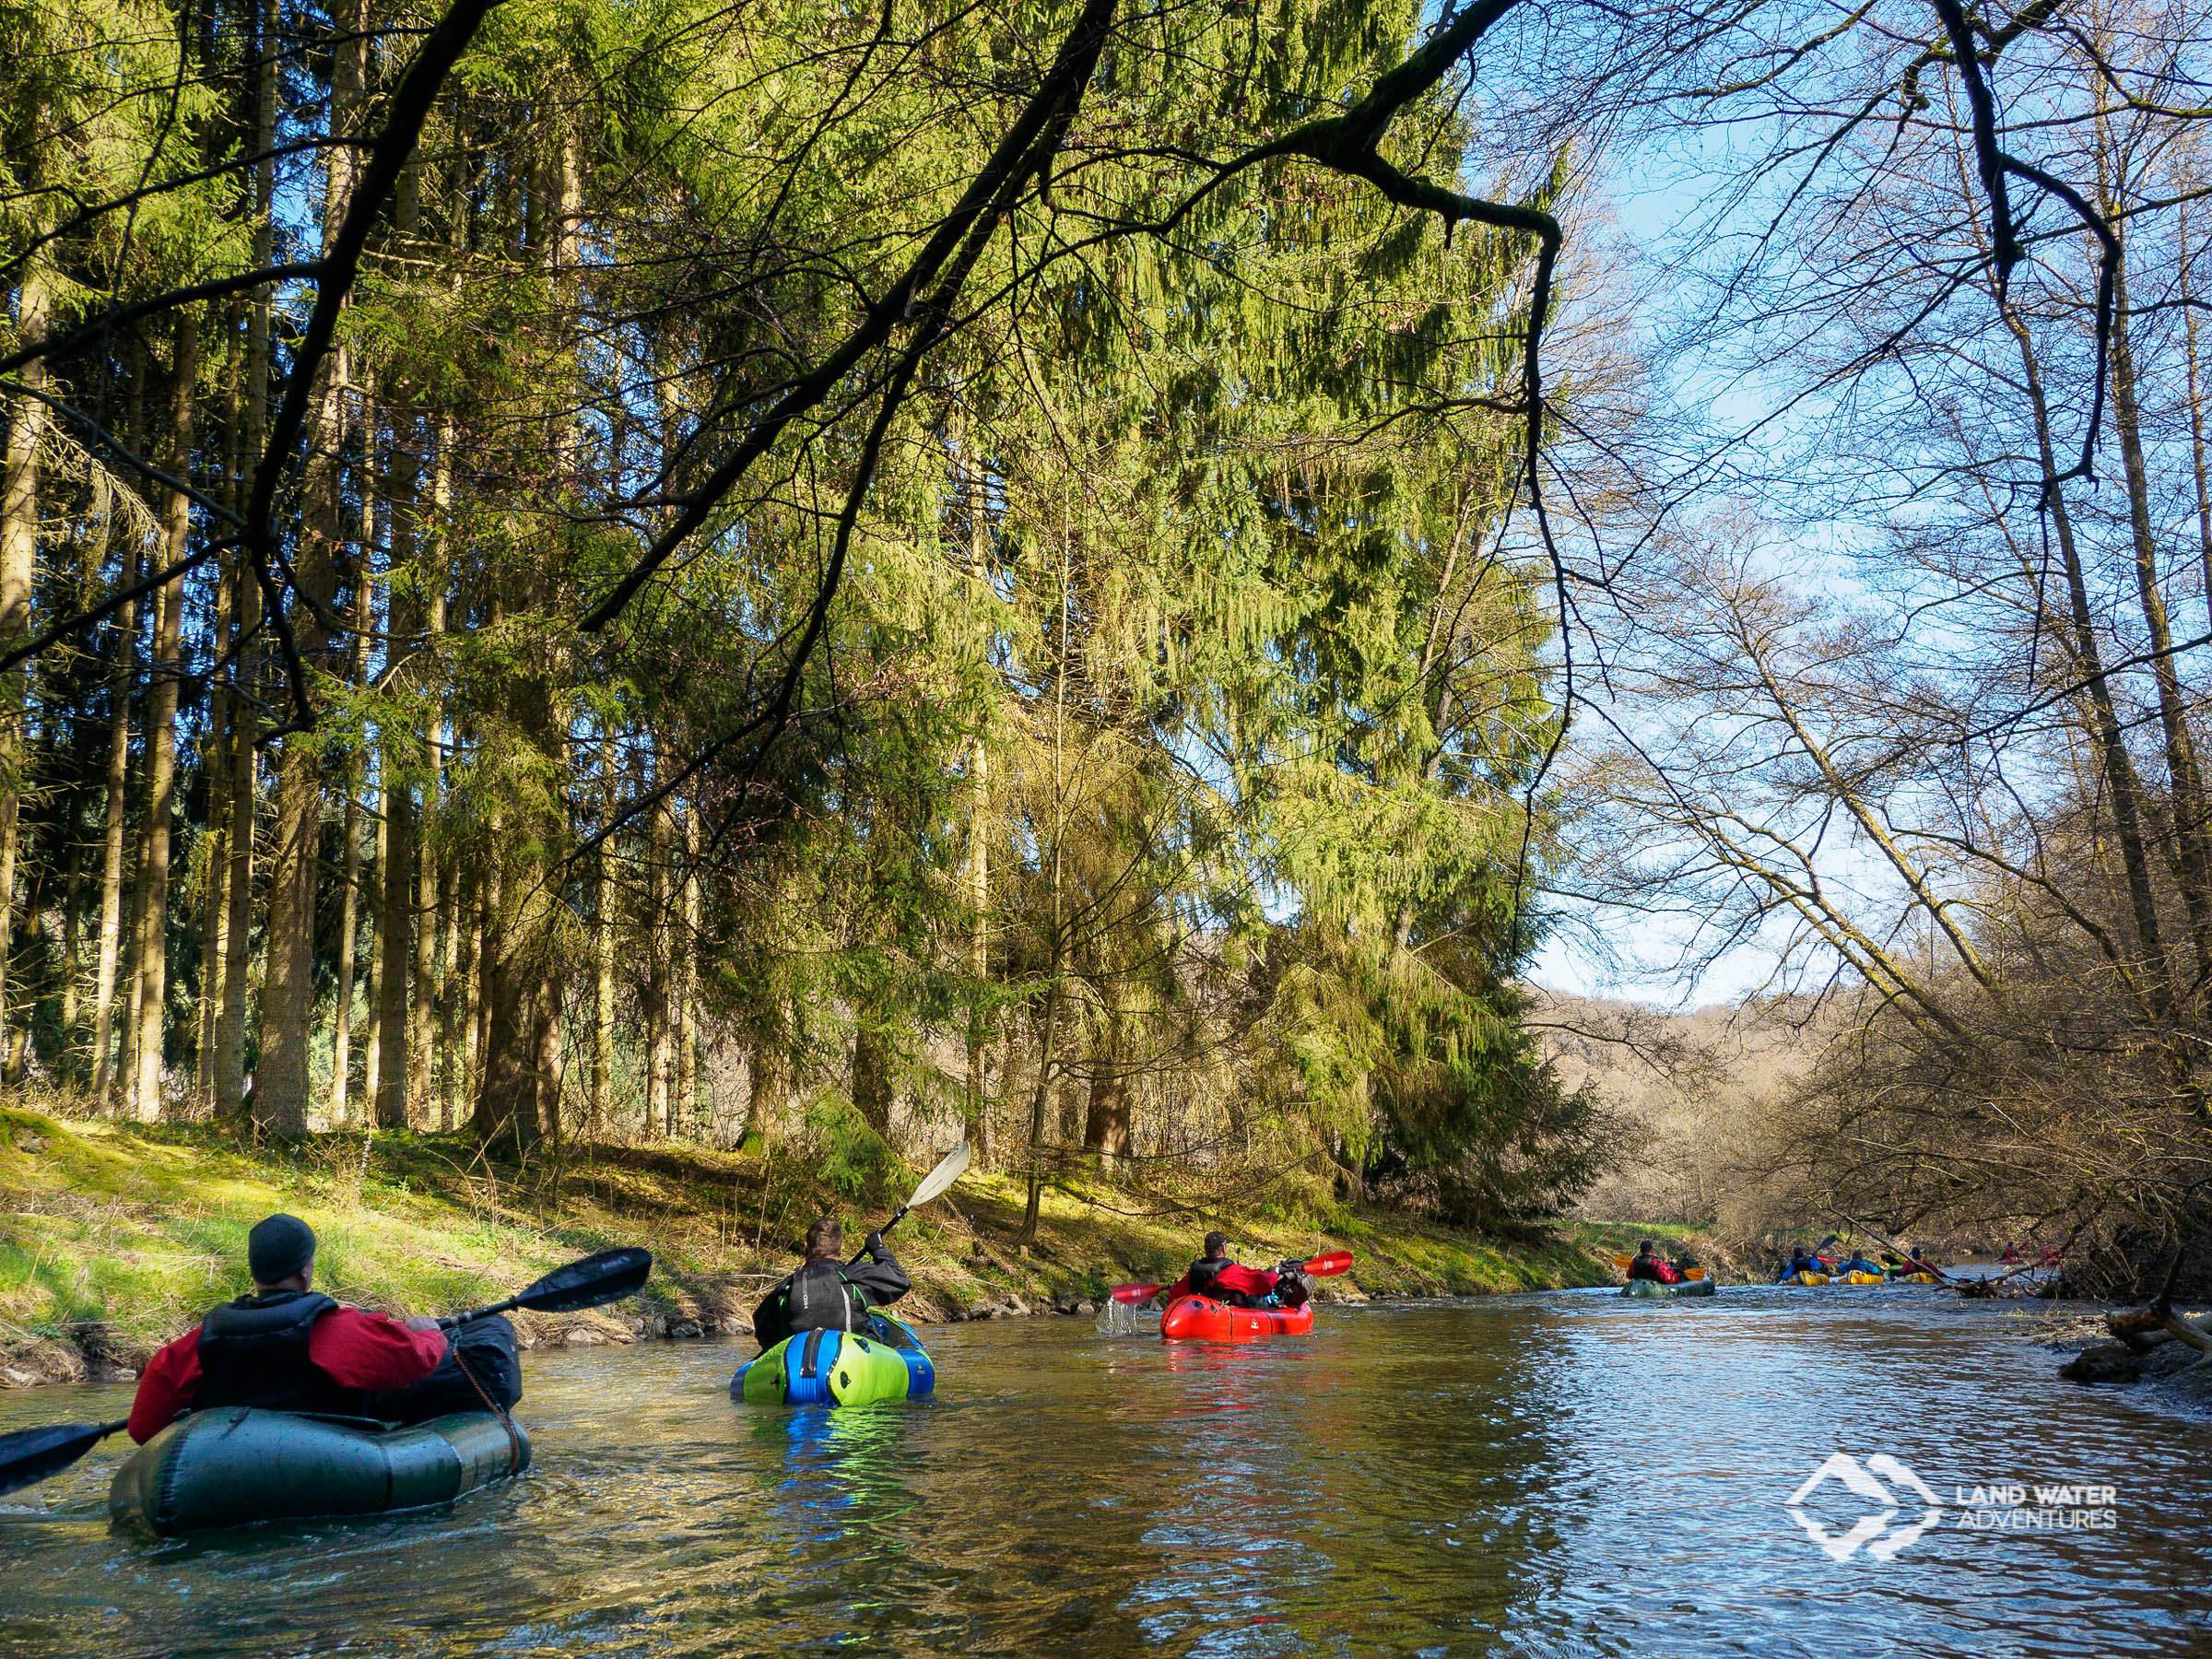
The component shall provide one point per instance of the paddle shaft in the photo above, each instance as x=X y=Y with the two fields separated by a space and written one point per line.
x=898 y=1216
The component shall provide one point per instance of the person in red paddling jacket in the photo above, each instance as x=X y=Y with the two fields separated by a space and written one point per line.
x=1649 y=1264
x=287 y=1348
x=1215 y=1275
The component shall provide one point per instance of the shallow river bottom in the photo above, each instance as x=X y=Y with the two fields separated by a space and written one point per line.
x=1568 y=1473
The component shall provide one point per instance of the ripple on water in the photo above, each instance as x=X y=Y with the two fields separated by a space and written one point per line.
x=1574 y=1473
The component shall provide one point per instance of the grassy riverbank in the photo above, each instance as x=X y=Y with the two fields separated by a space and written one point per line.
x=114 y=1237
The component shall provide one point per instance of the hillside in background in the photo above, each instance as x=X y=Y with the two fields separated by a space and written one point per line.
x=1707 y=1096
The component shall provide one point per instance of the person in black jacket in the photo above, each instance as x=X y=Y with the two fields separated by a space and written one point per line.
x=828 y=1293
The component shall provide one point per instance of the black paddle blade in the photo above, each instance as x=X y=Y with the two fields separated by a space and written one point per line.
x=591 y=1283
x=29 y=1455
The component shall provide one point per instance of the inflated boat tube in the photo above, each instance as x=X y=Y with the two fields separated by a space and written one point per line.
x=234 y=1465
x=1202 y=1319
x=839 y=1368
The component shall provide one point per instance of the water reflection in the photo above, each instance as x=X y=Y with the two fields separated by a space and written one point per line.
x=1563 y=1474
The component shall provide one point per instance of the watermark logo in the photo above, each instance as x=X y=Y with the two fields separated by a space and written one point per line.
x=1871 y=1532
x=1892 y=1489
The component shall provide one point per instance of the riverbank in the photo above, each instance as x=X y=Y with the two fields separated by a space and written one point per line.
x=114 y=1237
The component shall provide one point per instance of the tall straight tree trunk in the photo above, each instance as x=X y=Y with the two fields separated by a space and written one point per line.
x=371 y=1050
x=686 y=979
x=215 y=747
x=603 y=952
x=399 y=1088
x=356 y=781
x=979 y=956
x=488 y=884
x=281 y=1083
x=432 y=896
x=18 y=583
x=73 y=883
x=659 y=1034
x=117 y=784
x=161 y=737
x=242 y=783
x=453 y=1063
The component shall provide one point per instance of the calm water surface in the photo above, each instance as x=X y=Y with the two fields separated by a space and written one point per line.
x=1558 y=1474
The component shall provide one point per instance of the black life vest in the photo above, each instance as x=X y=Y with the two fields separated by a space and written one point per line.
x=820 y=1298
x=254 y=1352
x=1206 y=1275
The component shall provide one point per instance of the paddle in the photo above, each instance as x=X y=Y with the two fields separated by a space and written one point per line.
x=591 y=1283
x=934 y=1184
x=1320 y=1266
x=29 y=1455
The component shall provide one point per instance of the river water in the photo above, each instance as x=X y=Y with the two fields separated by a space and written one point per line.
x=1566 y=1474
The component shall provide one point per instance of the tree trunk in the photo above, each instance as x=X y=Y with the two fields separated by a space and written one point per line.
x=144 y=1090
x=2105 y=720
x=341 y=1027
x=215 y=744
x=374 y=890
x=1040 y=1097
x=872 y=1089
x=978 y=1112
x=686 y=983
x=18 y=584
x=242 y=783
x=1106 y=1124
x=603 y=952
x=110 y=962
x=449 y=991
x=768 y=1066
x=2193 y=861
x=281 y=1091
x=660 y=1027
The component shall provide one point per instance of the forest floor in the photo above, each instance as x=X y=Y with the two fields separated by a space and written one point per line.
x=114 y=1238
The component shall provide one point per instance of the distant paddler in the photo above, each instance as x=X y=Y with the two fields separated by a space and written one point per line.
x=1648 y=1264
x=285 y=1347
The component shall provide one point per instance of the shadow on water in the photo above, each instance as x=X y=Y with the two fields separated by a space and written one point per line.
x=1562 y=1475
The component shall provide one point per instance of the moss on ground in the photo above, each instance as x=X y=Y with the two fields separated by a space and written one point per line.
x=114 y=1237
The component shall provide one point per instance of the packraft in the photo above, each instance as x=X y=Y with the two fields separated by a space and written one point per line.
x=1689 y=1287
x=236 y=1464
x=885 y=1361
x=1202 y=1319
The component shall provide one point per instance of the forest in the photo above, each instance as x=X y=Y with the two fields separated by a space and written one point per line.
x=1106 y=576
x=621 y=572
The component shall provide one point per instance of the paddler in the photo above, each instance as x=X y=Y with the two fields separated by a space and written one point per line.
x=287 y=1347
x=1801 y=1260
x=828 y=1293
x=1228 y=1281
x=1649 y=1264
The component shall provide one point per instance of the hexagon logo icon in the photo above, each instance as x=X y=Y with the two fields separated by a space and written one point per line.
x=1871 y=1532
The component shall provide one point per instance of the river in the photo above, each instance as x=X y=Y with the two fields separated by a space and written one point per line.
x=1565 y=1474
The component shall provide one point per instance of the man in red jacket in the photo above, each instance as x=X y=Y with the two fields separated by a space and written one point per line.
x=1215 y=1275
x=285 y=1347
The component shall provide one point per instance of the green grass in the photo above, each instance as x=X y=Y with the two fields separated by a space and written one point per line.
x=114 y=1237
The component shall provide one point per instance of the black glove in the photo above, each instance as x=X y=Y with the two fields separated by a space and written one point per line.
x=873 y=1244
x=1292 y=1266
